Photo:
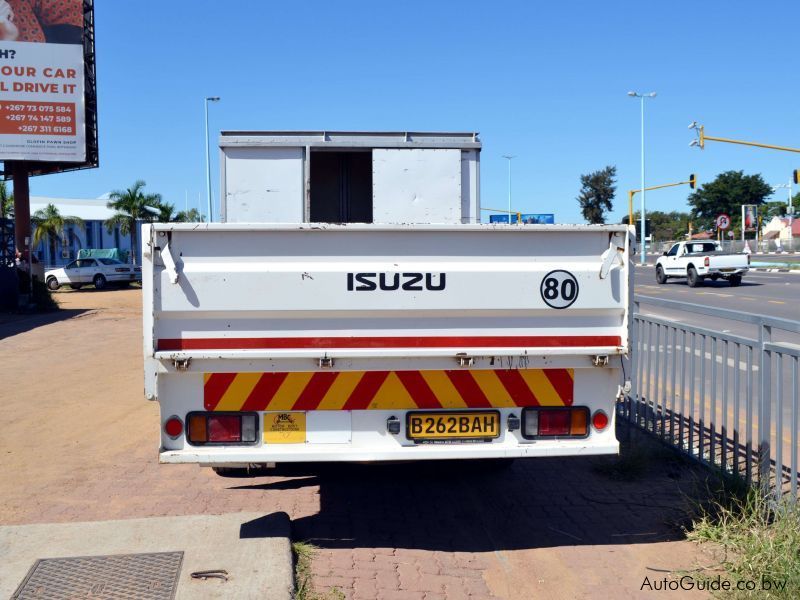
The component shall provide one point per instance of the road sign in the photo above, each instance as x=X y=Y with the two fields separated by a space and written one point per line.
x=723 y=221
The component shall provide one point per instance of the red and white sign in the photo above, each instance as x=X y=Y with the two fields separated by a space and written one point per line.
x=723 y=221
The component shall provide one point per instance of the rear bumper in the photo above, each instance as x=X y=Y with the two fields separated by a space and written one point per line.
x=347 y=453
x=723 y=272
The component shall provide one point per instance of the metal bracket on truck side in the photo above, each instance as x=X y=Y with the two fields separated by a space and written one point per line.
x=600 y=360
x=169 y=263
x=181 y=364
x=614 y=252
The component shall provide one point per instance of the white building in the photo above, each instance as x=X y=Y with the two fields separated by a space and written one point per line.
x=93 y=212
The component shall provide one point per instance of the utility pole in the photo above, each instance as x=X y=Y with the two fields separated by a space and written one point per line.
x=208 y=158
x=508 y=157
x=643 y=188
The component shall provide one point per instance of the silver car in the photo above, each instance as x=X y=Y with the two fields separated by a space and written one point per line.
x=96 y=271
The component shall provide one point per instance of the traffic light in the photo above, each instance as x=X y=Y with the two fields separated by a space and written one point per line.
x=796 y=175
x=693 y=180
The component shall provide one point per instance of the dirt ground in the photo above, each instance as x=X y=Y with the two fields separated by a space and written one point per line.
x=79 y=443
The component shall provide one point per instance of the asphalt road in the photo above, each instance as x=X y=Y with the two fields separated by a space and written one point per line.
x=762 y=293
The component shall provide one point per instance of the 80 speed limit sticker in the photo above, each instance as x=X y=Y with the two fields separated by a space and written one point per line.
x=559 y=289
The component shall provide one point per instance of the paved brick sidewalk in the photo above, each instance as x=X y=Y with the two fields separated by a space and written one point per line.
x=79 y=448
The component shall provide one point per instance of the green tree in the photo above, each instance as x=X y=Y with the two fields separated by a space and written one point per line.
x=132 y=205
x=726 y=194
x=190 y=216
x=6 y=202
x=673 y=225
x=50 y=224
x=597 y=192
x=166 y=213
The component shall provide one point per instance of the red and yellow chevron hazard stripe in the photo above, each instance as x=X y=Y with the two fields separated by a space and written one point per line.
x=385 y=390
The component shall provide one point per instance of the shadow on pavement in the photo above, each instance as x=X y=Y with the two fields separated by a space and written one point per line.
x=462 y=506
x=16 y=323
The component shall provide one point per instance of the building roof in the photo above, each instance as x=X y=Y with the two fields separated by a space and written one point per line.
x=88 y=209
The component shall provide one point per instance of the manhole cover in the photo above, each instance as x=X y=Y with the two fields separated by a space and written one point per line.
x=142 y=576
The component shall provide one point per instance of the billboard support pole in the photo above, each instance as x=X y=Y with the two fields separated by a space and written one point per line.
x=22 y=209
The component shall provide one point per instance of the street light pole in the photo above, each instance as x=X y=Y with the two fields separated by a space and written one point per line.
x=508 y=157
x=643 y=188
x=208 y=158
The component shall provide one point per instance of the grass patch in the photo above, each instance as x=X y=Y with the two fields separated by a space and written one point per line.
x=758 y=540
x=304 y=584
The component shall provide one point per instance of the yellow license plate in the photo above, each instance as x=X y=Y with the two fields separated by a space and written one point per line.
x=453 y=425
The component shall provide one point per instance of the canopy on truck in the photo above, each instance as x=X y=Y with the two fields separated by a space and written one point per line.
x=115 y=253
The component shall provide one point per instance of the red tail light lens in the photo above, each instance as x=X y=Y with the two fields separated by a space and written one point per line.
x=226 y=428
x=173 y=427
x=222 y=428
x=554 y=422
x=706 y=261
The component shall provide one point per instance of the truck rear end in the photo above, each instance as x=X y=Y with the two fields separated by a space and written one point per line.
x=367 y=342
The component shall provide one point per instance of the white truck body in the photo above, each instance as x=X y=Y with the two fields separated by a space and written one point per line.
x=415 y=334
x=330 y=176
x=263 y=318
x=698 y=260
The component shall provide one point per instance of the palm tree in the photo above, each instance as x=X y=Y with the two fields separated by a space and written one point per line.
x=166 y=213
x=50 y=223
x=190 y=216
x=6 y=202
x=132 y=205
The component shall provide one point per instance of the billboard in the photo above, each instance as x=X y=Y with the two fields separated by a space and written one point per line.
x=526 y=218
x=47 y=91
x=750 y=217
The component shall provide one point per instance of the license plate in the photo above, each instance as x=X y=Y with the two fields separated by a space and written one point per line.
x=453 y=425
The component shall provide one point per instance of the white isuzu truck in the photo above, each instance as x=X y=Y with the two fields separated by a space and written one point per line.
x=352 y=307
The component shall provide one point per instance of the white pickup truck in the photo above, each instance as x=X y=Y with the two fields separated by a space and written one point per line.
x=351 y=341
x=698 y=261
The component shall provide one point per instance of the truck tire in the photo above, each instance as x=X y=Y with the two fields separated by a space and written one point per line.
x=661 y=278
x=52 y=284
x=735 y=280
x=692 y=278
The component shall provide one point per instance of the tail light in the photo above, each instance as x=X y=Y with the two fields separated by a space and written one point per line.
x=221 y=428
x=599 y=420
x=173 y=427
x=706 y=261
x=555 y=422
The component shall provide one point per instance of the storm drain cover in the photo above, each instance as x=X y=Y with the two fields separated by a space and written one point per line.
x=142 y=576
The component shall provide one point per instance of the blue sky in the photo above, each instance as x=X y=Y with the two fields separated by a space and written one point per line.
x=546 y=82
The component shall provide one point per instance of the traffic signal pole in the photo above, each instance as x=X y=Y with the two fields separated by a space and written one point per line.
x=702 y=138
x=692 y=182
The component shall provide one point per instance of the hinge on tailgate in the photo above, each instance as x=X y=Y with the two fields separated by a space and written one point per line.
x=464 y=360
x=601 y=360
x=325 y=362
x=181 y=364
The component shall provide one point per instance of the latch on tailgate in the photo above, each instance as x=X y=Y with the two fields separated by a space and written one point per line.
x=181 y=364
x=166 y=256
x=614 y=253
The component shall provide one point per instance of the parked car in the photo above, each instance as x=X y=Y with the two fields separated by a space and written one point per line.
x=97 y=271
x=698 y=261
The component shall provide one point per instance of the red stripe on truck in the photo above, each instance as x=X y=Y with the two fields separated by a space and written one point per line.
x=291 y=343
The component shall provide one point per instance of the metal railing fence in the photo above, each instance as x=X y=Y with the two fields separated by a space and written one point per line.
x=726 y=400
